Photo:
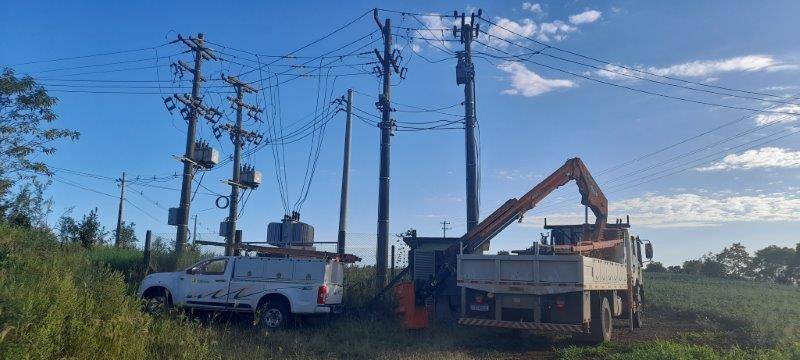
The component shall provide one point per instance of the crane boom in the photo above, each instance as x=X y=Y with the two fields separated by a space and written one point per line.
x=514 y=209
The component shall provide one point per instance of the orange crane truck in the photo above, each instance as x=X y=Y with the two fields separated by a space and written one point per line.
x=574 y=280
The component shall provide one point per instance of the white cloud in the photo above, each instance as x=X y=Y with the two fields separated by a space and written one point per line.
x=557 y=30
x=747 y=63
x=507 y=29
x=532 y=7
x=768 y=157
x=585 y=17
x=528 y=83
x=438 y=28
x=699 y=210
x=769 y=118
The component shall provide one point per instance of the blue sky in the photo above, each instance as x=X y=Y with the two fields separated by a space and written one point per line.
x=737 y=183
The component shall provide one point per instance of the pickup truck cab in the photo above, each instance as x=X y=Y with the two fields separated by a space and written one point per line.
x=272 y=288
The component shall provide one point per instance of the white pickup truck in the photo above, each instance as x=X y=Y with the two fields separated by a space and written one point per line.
x=273 y=289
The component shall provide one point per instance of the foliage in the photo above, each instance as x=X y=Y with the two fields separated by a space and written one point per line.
x=655 y=266
x=773 y=263
x=28 y=208
x=57 y=304
x=88 y=232
x=26 y=112
x=735 y=261
x=127 y=238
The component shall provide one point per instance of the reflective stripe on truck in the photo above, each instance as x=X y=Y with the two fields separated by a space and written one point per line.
x=522 y=325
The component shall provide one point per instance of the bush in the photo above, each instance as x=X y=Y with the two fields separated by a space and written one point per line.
x=57 y=303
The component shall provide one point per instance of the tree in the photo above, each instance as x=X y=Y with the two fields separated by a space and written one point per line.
x=712 y=267
x=674 y=269
x=26 y=113
x=655 y=266
x=127 y=237
x=89 y=230
x=693 y=267
x=28 y=208
x=67 y=228
x=775 y=263
x=735 y=261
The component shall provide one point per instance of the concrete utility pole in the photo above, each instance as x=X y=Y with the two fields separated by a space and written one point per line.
x=340 y=241
x=238 y=136
x=389 y=64
x=195 y=108
x=465 y=74
x=119 y=211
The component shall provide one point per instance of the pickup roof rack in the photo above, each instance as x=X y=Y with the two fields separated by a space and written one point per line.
x=345 y=258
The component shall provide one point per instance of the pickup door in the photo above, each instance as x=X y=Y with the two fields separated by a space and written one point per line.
x=206 y=284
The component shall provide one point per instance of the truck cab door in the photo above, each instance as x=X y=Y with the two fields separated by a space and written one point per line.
x=207 y=283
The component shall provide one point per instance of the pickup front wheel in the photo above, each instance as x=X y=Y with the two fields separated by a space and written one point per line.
x=274 y=315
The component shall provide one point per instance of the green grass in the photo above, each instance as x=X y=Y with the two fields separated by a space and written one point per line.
x=760 y=314
x=67 y=302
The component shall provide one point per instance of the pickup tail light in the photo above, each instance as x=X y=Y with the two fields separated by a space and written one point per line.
x=322 y=294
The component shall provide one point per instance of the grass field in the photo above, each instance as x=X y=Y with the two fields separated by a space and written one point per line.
x=66 y=302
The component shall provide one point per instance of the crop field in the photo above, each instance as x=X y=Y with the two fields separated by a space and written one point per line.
x=67 y=302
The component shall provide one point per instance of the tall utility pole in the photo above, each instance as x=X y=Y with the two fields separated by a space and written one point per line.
x=340 y=241
x=194 y=109
x=465 y=74
x=119 y=211
x=389 y=64
x=238 y=136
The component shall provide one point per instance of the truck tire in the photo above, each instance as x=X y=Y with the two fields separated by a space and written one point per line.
x=274 y=315
x=637 y=315
x=601 y=327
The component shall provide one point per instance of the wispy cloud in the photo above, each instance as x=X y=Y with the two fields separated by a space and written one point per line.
x=693 y=210
x=528 y=83
x=768 y=157
x=586 y=17
x=769 y=118
x=701 y=68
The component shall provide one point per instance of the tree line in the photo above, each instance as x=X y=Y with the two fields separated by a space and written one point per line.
x=773 y=263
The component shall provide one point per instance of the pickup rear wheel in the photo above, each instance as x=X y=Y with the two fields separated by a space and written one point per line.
x=274 y=315
x=601 y=323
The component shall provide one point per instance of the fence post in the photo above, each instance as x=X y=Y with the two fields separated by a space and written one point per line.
x=147 y=238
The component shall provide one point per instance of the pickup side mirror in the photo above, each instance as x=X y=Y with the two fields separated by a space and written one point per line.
x=191 y=271
x=648 y=251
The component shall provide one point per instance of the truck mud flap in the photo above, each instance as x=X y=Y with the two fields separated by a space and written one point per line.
x=522 y=325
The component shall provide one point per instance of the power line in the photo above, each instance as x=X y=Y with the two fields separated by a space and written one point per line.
x=701 y=102
x=548 y=46
x=91 y=55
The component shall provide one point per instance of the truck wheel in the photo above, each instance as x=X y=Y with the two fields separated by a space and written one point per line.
x=601 y=323
x=274 y=315
x=637 y=315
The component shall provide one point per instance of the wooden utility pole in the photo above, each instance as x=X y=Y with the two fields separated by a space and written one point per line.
x=389 y=64
x=238 y=137
x=340 y=241
x=195 y=108
x=119 y=211
x=445 y=228
x=465 y=74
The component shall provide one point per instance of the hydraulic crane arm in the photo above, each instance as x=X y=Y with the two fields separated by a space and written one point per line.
x=514 y=209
